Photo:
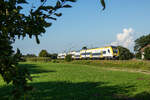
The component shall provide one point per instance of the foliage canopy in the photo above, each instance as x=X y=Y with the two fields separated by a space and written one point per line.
x=142 y=42
x=43 y=53
x=14 y=23
x=124 y=53
x=68 y=58
x=147 y=53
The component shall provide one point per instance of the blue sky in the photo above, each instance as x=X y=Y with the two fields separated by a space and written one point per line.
x=87 y=25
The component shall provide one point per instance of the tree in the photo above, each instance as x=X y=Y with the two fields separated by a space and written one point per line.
x=84 y=48
x=147 y=53
x=13 y=24
x=29 y=55
x=68 y=58
x=141 y=42
x=138 y=55
x=124 y=53
x=43 y=53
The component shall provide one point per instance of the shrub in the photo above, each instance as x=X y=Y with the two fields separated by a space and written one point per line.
x=68 y=58
x=147 y=53
x=55 y=61
x=124 y=53
x=138 y=55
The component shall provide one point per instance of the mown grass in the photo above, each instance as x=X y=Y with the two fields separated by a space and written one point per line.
x=63 y=81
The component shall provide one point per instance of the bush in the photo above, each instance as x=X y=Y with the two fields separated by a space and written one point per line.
x=68 y=58
x=147 y=53
x=124 y=53
x=138 y=55
x=55 y=61
x=38 y=59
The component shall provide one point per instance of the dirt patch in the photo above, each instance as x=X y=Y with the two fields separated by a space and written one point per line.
x=141 y=78
x=129 y=70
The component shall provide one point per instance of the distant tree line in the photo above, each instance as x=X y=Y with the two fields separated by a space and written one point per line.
x=29 y=55
x=142 y=47
x=42 y=53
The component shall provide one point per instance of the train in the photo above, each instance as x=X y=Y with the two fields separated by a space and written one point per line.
x=108 y=52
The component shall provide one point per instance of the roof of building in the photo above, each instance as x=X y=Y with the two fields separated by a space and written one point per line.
x=142 y=49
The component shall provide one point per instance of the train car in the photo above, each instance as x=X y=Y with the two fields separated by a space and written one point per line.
x=86 y=54
x=61 y=55
x=110 y=52
x=72 y=53
x=77 y=55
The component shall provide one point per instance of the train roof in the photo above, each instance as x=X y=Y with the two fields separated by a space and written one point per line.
x=92 y=48
x=100 y=47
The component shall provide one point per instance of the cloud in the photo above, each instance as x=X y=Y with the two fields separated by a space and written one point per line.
x=125 y=38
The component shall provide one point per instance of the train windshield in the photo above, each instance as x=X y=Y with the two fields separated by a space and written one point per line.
x=115 y=49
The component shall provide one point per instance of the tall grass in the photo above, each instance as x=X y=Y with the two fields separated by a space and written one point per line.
x=134 y=64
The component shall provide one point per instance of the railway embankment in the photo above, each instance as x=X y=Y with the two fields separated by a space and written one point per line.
x=118 y=65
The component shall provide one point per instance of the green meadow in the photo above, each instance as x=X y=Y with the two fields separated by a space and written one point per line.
x=85 y=80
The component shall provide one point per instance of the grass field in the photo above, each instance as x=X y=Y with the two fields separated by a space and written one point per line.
x=67 y=81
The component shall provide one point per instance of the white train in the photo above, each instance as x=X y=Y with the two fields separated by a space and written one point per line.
x=61 y=55
x=109 y=52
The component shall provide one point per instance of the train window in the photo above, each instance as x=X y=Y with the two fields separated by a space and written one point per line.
x=113 y=47
x=115 y=51
x=104 y=52
x=77 y=56
x=95 y=54
x=86 y=53
x=82 y=53
x=108 y=51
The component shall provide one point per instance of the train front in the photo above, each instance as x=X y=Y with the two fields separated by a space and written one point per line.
x=115 y=52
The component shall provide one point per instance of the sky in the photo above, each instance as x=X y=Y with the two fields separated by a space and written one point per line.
x=85 y=24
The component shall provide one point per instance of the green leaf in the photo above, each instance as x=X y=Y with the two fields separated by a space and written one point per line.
x=67 y=6
x=19 y=7
x=58 y=4
x=52 y=18
x=103 y=4
x=72 y=0
x=58 y=14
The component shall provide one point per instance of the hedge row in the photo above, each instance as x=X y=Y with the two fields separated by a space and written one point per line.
x=37 y=59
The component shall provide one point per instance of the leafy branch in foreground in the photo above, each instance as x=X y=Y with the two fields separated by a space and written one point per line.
x=13 y=24
x=103 y=4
